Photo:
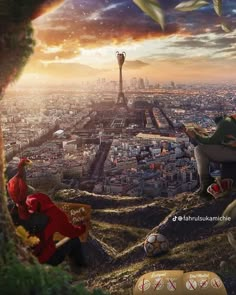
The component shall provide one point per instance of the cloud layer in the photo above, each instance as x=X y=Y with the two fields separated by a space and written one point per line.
x=90 y=32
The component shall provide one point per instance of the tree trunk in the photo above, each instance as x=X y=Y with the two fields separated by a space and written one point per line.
x=8 y=235
x=7 y=232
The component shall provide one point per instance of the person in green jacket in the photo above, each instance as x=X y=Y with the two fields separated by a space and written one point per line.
x=220 y=147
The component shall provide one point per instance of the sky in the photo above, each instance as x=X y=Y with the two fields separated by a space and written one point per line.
x=78 y=42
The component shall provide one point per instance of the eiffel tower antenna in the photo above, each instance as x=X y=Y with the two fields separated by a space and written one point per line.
x=121 y=100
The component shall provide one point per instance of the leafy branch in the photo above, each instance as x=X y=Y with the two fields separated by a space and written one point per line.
x=153 y=9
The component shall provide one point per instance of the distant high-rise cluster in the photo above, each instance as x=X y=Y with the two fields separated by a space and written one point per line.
x=139 y=83
x=130 y=84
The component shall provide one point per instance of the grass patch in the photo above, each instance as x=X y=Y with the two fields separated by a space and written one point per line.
x=198 y=255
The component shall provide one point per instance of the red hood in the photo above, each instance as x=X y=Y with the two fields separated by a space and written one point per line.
x=39 y=200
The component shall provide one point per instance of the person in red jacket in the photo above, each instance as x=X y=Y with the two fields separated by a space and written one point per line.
x=18 y=189
x=46 y=250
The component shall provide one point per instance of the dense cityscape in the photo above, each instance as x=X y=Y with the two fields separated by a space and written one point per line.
x=85 y=140
x=117 y=147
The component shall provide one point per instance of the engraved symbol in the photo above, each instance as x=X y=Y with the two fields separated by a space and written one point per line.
x=171 y=285
x=144 y=285
x=191 y=285
x=216 y=283
x=158 y=284
x=203 y=284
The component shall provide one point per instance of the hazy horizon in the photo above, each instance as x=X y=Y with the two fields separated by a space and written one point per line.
x=78 y=42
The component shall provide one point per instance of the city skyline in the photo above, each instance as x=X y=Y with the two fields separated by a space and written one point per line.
x=78 y=42
x=86 y=141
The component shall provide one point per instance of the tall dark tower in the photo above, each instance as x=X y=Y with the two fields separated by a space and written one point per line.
x=121 y=100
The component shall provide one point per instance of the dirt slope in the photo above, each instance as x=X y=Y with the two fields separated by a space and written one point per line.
x=120 y=225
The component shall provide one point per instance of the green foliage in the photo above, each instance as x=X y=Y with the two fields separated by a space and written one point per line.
x=27 y=279
x=16 y=39
x=191 y=5
x=17 y=45
x=22 y=10
x=153 y=9
x=18 y=11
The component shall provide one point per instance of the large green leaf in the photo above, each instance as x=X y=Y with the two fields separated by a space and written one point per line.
x=231 y=240
x=191 y=5
x=152 y=9
x=230 y=211
x=218 y=6
x=225 y=27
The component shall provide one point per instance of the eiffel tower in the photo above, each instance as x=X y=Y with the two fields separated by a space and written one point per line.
x=121 y=100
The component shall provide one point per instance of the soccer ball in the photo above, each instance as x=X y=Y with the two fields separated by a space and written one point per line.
x=156 y=244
